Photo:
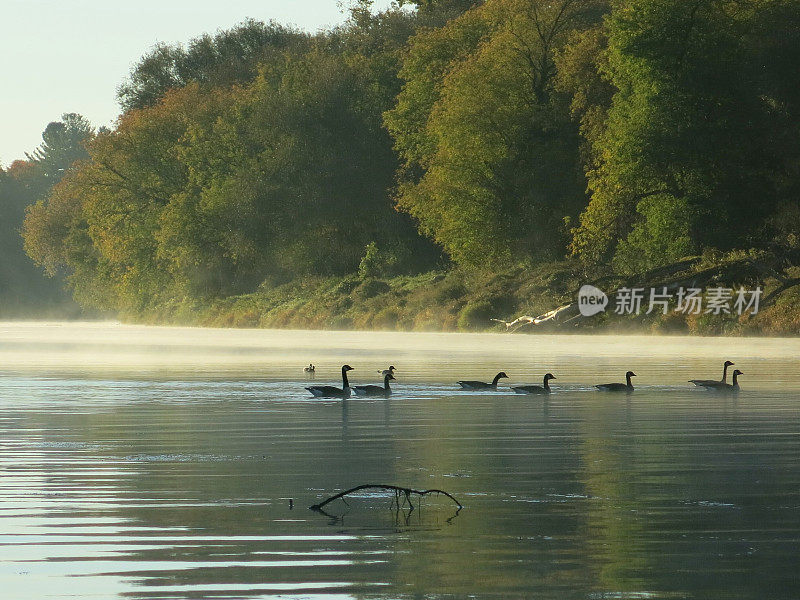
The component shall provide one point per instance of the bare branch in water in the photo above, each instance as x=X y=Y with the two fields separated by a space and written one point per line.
x=406 y=492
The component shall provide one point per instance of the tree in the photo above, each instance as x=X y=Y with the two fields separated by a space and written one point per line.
x=230 y=57
x=491 y=161
x=696 y=138
x=23 y=289
x=213 y=190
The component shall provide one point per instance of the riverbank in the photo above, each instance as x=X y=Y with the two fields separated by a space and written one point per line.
x=456 y=300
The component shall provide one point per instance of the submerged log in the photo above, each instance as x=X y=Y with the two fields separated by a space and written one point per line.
x=406 y=492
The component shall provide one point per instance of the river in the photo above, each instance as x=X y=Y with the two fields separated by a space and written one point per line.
x=148 y=462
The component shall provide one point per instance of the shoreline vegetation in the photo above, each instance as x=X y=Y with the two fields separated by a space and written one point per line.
x=454 y=300
x=440 y=165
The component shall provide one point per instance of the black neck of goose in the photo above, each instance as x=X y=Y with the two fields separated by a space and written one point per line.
x=345 y=383
x=735 y=382
x=546 y=382
x=725 y=373
x=628 y=379
x=495 y=380
x=386 y=382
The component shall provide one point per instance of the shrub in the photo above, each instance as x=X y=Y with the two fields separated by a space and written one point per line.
x=475 y=315
x=370 y=288
x=340 y=322
x=386 y=318
x=376 y=262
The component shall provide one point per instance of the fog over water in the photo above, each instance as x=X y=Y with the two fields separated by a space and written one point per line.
x=141 y=462
x=132 y=351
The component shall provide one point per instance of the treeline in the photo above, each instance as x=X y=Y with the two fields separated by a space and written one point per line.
x=23 y=290
x=627 y=134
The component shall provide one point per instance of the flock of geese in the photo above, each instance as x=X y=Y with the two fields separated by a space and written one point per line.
x=329 y=391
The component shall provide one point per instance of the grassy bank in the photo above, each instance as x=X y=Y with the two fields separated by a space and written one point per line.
x=460 y=301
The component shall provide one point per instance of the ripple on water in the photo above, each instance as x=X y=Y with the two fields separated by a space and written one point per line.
x=157 y=483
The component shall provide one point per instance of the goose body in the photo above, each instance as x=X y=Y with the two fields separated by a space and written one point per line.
x=310 y=368
x=536 y=389
x=618 y=387
x=482 y=385
x=329 y=391
x=720 y=386
x=713 y=383
x=389 y=371
x=375 y=391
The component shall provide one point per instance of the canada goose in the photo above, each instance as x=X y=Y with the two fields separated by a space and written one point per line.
x=375 y=390
x=328 y=391
x=310 y=368
x=710 y=383
x=618 y=387
x=726 y=387
x=536 y=389
x=481 y=385
x=389 y=371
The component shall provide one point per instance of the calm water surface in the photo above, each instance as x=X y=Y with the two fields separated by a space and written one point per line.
x=144 y=462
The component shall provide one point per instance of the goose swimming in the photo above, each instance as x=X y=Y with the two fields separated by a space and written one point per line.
x=719 y=386
x=618 y=387
x=374 y=391
x=329 y=391
x=536 y=389
x=711 y=383
x=389 y=371
x=482 y=385
x=310 y=368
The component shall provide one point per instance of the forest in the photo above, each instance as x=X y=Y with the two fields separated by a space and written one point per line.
x=458 y=144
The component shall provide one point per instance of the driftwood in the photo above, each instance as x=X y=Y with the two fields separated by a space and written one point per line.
x=398 y=492
x=551 y=315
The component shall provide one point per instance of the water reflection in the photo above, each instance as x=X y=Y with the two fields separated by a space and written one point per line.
x=176 y=486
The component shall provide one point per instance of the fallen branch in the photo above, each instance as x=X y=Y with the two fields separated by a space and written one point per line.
x=551 y=315
x=397 y=490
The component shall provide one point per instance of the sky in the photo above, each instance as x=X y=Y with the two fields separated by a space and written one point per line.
x=59 y=56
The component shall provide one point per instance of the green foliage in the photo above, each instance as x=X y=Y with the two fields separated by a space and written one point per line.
x=661 y=236
x=212 y=190
x=229 y=57
x=370 y=288
x=386 y=318
x=491 y=156
x=376 y=262
x=475 y=316
x=262 y=156
x=697 y=120
x=23 y=289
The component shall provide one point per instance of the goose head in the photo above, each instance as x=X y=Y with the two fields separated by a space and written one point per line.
x=738 y=372
x=346 y=368
x=727 y=363
x=630 y=374
x=502 y=375
x=549 y=376
x=391 y=368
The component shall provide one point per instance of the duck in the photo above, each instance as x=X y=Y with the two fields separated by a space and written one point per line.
x=329 y=391
x=536 y=389
x=482 y=385
x=719 y=386
x=375 y=391
x=310 y=368
x=389 y=371
x=712 y=383
x=618 y=387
